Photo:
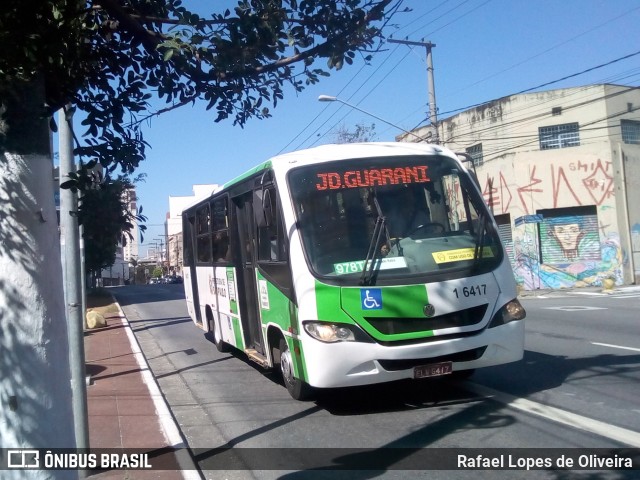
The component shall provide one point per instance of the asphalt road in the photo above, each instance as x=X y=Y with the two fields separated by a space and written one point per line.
x=577 y=387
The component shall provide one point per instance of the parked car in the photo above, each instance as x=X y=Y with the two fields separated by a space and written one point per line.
x=154 y=280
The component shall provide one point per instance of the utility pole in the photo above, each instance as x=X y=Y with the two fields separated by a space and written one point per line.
x=433 y=115
x=70 y=242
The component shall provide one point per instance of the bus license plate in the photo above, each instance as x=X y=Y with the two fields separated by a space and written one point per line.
x=433 y=370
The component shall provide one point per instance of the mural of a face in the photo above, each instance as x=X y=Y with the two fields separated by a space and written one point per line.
x=568 y=236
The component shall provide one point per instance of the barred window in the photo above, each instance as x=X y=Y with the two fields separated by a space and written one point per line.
x=630 y=131
x=476 y=154
x=559 y=136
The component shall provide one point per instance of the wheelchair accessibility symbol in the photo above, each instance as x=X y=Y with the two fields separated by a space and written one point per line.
x=371 y=299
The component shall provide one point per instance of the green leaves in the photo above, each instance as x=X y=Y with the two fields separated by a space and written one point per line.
x=111 y=58
x=107 y=220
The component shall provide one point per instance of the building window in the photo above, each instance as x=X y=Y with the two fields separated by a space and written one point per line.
x=630 y=131
x=556 y=111
x=559 y=136
x=569 y=235
x=476 y=154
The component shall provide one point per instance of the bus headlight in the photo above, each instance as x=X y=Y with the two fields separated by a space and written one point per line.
x=510 y=311
x=329 y=332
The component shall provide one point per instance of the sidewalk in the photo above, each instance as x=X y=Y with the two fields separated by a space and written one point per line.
x=547 y=292
x=126 y=408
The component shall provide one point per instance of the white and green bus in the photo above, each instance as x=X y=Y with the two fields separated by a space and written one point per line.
x=353 y=264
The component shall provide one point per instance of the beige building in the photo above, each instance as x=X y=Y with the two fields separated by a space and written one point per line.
x=561 y=171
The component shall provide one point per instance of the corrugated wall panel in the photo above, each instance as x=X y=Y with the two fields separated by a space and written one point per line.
x=569 y=239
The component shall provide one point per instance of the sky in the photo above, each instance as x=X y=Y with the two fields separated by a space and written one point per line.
x=484 y=50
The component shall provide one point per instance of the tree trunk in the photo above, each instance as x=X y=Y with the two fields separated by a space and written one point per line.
x=35 y=389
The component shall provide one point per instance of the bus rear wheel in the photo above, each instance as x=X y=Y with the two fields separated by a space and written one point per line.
x=298 y=389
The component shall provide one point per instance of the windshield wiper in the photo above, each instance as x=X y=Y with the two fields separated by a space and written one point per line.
x=379 y=229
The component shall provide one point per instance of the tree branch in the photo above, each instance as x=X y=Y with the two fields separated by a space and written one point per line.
x=373 y=14
x=150 y=40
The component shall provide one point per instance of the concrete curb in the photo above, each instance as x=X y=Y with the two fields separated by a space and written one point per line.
x=167 y=422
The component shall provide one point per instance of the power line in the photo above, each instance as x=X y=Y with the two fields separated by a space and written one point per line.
x=536 y=138
x=438 y=18
x=458 y=18
x=348 y=99
x=532 y=114
x=459 y=138
x=549 y=49
x=581 y=73
x=602 y=65
x=378 y=69
x=365 y=96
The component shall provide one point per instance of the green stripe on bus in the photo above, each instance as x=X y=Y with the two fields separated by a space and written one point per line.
x=345 y=305
x=237 y=332
x=275 y=307
x=398 y=302
x=299 y=366
x=231 y=287
x=263 y=166
x=328 y=304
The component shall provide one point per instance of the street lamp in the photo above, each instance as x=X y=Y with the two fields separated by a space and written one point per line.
x=328 y=98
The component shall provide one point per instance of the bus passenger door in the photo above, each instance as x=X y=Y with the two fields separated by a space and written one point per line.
x=246 y=281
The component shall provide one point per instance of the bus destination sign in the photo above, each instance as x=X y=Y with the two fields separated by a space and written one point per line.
x=372 y=177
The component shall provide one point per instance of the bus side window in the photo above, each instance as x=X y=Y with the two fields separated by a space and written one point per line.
x=270 y=237
x=188 y=224
x=203 y=239
x=220 y=231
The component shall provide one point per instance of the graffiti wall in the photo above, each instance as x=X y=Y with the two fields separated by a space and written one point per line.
x=631 y=160
x=565 y=231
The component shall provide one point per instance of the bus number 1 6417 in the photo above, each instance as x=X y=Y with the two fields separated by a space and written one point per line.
x=471 y=291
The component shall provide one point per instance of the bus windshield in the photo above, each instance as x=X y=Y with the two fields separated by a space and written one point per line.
x=367 y=221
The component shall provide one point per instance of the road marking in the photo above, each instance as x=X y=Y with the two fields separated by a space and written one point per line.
x=626 y=293
x=574 y=308
x=616 y=346
x=587 y=293
x=619 y=434
x=165 y=417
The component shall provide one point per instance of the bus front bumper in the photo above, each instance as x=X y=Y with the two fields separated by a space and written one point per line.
x=343 y=364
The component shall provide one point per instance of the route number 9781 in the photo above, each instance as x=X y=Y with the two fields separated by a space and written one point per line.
x=472 y=291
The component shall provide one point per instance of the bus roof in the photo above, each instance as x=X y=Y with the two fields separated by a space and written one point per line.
x=331 y=152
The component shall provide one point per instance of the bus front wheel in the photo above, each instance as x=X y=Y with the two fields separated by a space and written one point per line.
x=298 y=389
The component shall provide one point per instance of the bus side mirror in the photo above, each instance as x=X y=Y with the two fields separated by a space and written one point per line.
x=466 y=158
